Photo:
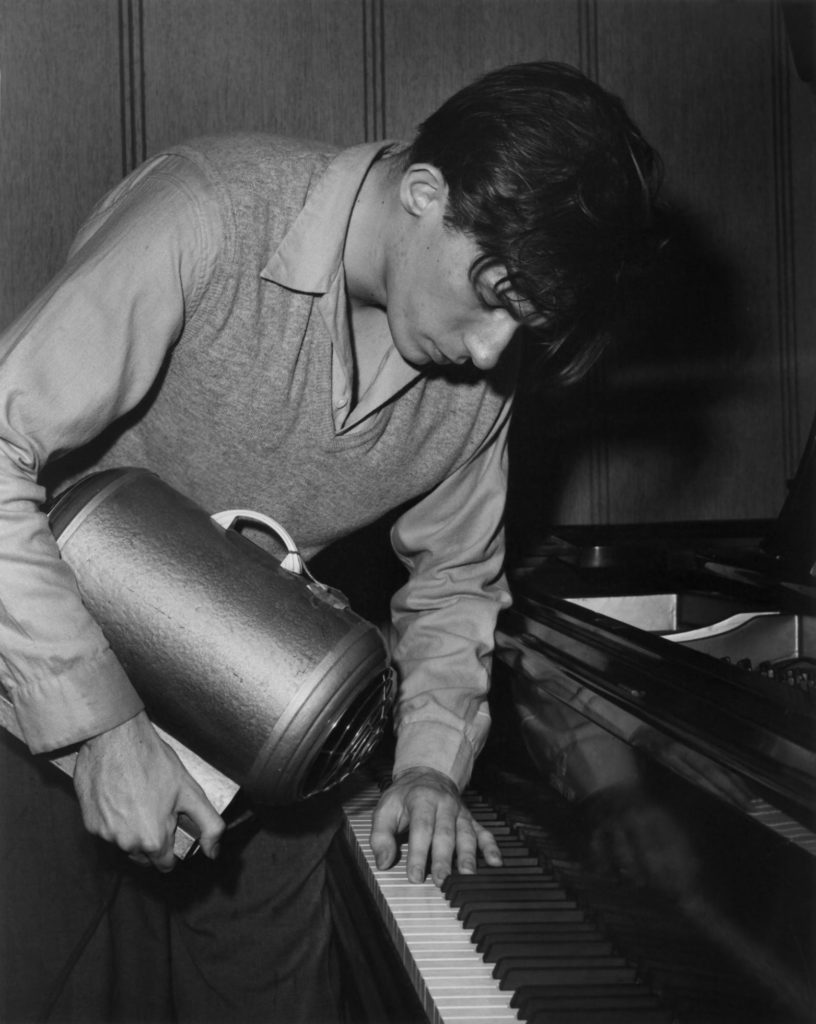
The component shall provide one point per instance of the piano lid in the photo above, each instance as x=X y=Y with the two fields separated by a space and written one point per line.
x=736 y=717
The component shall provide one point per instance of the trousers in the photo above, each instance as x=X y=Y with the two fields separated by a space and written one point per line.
x=89 y=937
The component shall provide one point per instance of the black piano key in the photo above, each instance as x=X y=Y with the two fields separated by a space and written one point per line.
x=661 y=951
x=512 y=843
x=508 y=913
x=530 y=999
x=456 y=884
x=478 y=805
x=636 y=998
x=634 y=1015
x=495 y=951
x=515 y=898
x=501 y=831
x=568 y=974
x=555 y=927
x=485 y=937
x=527 y=894
x=531 y=961
x=632 y=929
x=514 y=848
x=508 y=870
x=498 y=826
x=678 y=979
x=520 y=860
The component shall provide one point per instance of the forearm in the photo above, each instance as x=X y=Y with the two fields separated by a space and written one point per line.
x=55 y=664
x=83 y=354
x=444 y=618
x=442 y=717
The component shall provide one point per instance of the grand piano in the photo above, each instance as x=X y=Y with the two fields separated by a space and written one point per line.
x=691 y=637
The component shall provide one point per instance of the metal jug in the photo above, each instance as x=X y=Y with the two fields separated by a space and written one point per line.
x=257 y=667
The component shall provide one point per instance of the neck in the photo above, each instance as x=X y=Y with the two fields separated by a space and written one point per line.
x=365 y=251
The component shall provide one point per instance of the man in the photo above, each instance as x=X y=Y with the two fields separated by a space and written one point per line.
x=325 y=337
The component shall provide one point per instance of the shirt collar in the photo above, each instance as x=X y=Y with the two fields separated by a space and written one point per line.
x=310 y=260
x=311 y=253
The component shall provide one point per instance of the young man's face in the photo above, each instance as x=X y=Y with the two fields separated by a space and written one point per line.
x=438 y=312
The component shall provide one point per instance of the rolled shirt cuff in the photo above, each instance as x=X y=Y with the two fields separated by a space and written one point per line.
x=430 y=744
x=64 y=702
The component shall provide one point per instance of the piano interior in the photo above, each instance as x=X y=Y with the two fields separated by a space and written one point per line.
x=675 y=632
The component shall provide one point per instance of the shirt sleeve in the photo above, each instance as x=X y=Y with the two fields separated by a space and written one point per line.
x=82 y=355
x=443 y=619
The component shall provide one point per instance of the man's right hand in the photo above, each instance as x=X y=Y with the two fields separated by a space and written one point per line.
x=132 y=787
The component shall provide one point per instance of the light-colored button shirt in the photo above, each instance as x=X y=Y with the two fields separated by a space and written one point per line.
x=89 y=349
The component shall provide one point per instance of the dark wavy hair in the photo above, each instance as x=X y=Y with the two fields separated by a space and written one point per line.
x=553 y=180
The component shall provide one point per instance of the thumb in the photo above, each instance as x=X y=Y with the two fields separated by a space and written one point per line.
x=207 y=823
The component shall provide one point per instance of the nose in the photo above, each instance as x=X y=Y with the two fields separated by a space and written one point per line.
x=485 y=345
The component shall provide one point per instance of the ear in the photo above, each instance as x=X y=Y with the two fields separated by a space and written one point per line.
x=423 y=189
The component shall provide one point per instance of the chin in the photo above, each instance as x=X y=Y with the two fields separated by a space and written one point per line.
x=415 y=356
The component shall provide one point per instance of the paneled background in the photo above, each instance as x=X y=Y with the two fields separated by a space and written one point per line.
x=702 y=412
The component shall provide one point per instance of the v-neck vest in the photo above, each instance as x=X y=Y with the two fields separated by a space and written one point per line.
x=242 y=415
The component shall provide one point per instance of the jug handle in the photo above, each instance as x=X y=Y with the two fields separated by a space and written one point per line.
x=293 y=560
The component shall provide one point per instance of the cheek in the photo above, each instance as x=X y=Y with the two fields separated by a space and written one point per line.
x=437 y=297
x=426 y=299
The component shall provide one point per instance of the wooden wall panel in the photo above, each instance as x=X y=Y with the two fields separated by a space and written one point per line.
x=291 y=68
x=704 y=412
x=59 y=133
x=431 y=49
x=703 y=93
x=799 y=401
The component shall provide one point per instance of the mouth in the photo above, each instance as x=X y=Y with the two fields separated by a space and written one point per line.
x=438 y=356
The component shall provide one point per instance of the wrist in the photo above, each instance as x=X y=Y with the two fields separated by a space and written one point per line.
x=418 y=773
x=132 y=727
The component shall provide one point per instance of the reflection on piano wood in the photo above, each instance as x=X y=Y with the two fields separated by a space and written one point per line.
x=737 y=946
x=624 y=678
x=741 y=692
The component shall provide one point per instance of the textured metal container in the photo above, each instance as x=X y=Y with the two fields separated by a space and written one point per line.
x=262 y=671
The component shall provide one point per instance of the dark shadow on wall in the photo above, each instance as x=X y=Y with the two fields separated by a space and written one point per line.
x=653 y=391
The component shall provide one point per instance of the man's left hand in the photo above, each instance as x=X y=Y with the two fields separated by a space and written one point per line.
x=427 y=805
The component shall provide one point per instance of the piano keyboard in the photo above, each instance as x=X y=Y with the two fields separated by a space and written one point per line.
x=506 y=944
x=451 y=980
x=783 y=825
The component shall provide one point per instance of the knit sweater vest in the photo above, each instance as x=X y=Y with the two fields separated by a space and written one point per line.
x=242 y=416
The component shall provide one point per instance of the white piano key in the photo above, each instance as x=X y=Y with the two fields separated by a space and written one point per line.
x=783 y=825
